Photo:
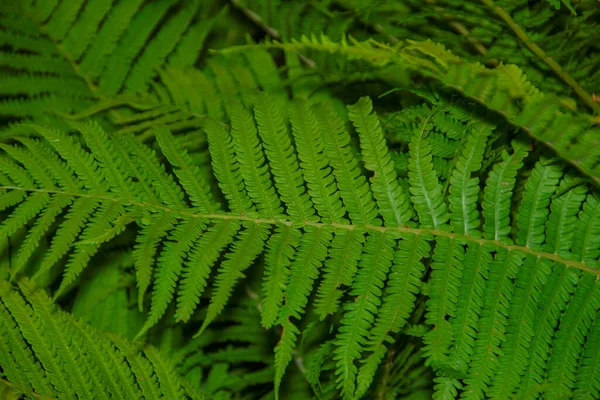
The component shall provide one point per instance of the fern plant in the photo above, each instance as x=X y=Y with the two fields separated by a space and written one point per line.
x=294 y=216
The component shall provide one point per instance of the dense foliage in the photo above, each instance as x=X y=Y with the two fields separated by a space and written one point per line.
x=328 y=199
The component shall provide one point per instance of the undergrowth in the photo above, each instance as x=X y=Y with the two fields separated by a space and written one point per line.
x=328 y=199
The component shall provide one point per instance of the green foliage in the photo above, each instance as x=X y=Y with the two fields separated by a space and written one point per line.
x=47 y=352
x=336 y=199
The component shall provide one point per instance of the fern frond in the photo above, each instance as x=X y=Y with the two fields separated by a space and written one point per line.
x=188 y=174
x=392 y=202
x=226 y=168
x=94 y=50
x=169 y=268
x=557 y=292
x=103 y=151
x=353 y=187
x=425 y=189
x=283 y=160
x=280 y=253
x=403 y=285
x=77 y=359
x=464 y=190
x=170 y=387
x=477 y=262
x=16 y=354
x=303 y=271
x=587 y=382
x=249 y=152
x=534 y=207
x=439 y=241
x=446 y=282
x=519 y=333
x=563 y=219
x=492 y=324
x=106 y=223
x=498 y=193
x=571 y=134
x=204 y=254
x=81 y=211
x=245 y=249
x=498 y=293
x=144 y=252
x=586 y=242
x=340 y=268
x=360 y=314
x=570 y=338
x=317 y=173
x=160 y=46
x=45 y=350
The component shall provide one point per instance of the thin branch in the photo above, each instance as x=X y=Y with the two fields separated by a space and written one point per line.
x=269 y=30
x=386 y=373
x=538 y=51
x=459 y=28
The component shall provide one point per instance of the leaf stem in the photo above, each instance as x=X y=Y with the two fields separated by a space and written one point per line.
x=269 y=30
x=190 y=213
x=386 y=373
x=538 y=51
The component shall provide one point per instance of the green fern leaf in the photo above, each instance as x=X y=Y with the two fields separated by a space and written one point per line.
x=204 y=254
x=498 y=193
x=77 y=359
x=445 y=284
x=145 y=250
x=477 y=261
x=320 y=181
x=46 y=351
x=340 y=268
x=464 y=190
x=160 y=46
x=187 y=173
x=570 y=338
x=169 y=268
x=226 y=168
x=170 y=387
x=81 y=211
x=509 y=308
x=303 y=271
x=587 y=382
x=280 y=252
x=560 y=227
x=403 y=285
x=99 y=230
x=14 y=353
x=425 y=189
x=534 y=207
x=249 y=152
x=558 y=290
x=354 y=190
x=586 y=242
x=283 y=161
x=519 y=333
x=492 y=324
x=245 y=249
x=360 y=314
x=388 y=194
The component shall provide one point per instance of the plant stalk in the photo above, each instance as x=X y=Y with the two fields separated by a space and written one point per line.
x=538 y=51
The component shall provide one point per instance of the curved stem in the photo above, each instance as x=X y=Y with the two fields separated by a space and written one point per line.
x=300 y=224
x=538 y=51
